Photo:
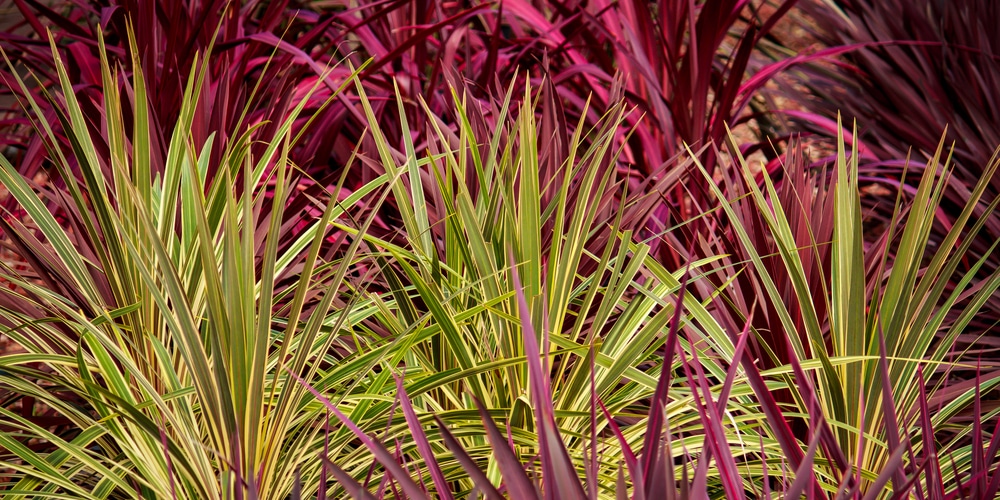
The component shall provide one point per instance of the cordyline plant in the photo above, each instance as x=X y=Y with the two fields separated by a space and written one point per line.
x=154 y=325
x=877 y=315
x=455 y=315
x=148 y=322
x=926 y=68
x=860 y=385
x=807 y=222
x=157 y=334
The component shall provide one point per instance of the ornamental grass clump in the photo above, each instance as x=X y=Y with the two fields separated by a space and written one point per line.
x=842 y=406
x=162 y=320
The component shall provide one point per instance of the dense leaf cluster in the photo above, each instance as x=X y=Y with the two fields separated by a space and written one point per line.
x=297 y=249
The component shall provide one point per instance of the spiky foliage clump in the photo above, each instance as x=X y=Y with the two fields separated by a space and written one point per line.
x=916 y=70
x=190 y=334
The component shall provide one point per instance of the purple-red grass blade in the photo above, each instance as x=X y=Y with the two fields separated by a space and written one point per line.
x=631 y=462
x=768 y=72
x=916 y=472
x=384 y=456
x=515 y=479
x=776 y=16
x=420 y=438
x=372 y=467
x=653 y=484
x=741 y=345
x=779 y=426
x=934 y=479
x=621 y=487
x=889 y=407
x=468 y=464
x=419 y=36
x=699 y=485
x=559 y=474
x=994 y=486
x=860 y=452
x=731 y=87
x=804 y=475
x=978 y=471
x=892 y=467
x=808 y=392
x=711 y=418
x=959 y=485
x=352 y=487
x=715 y=438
